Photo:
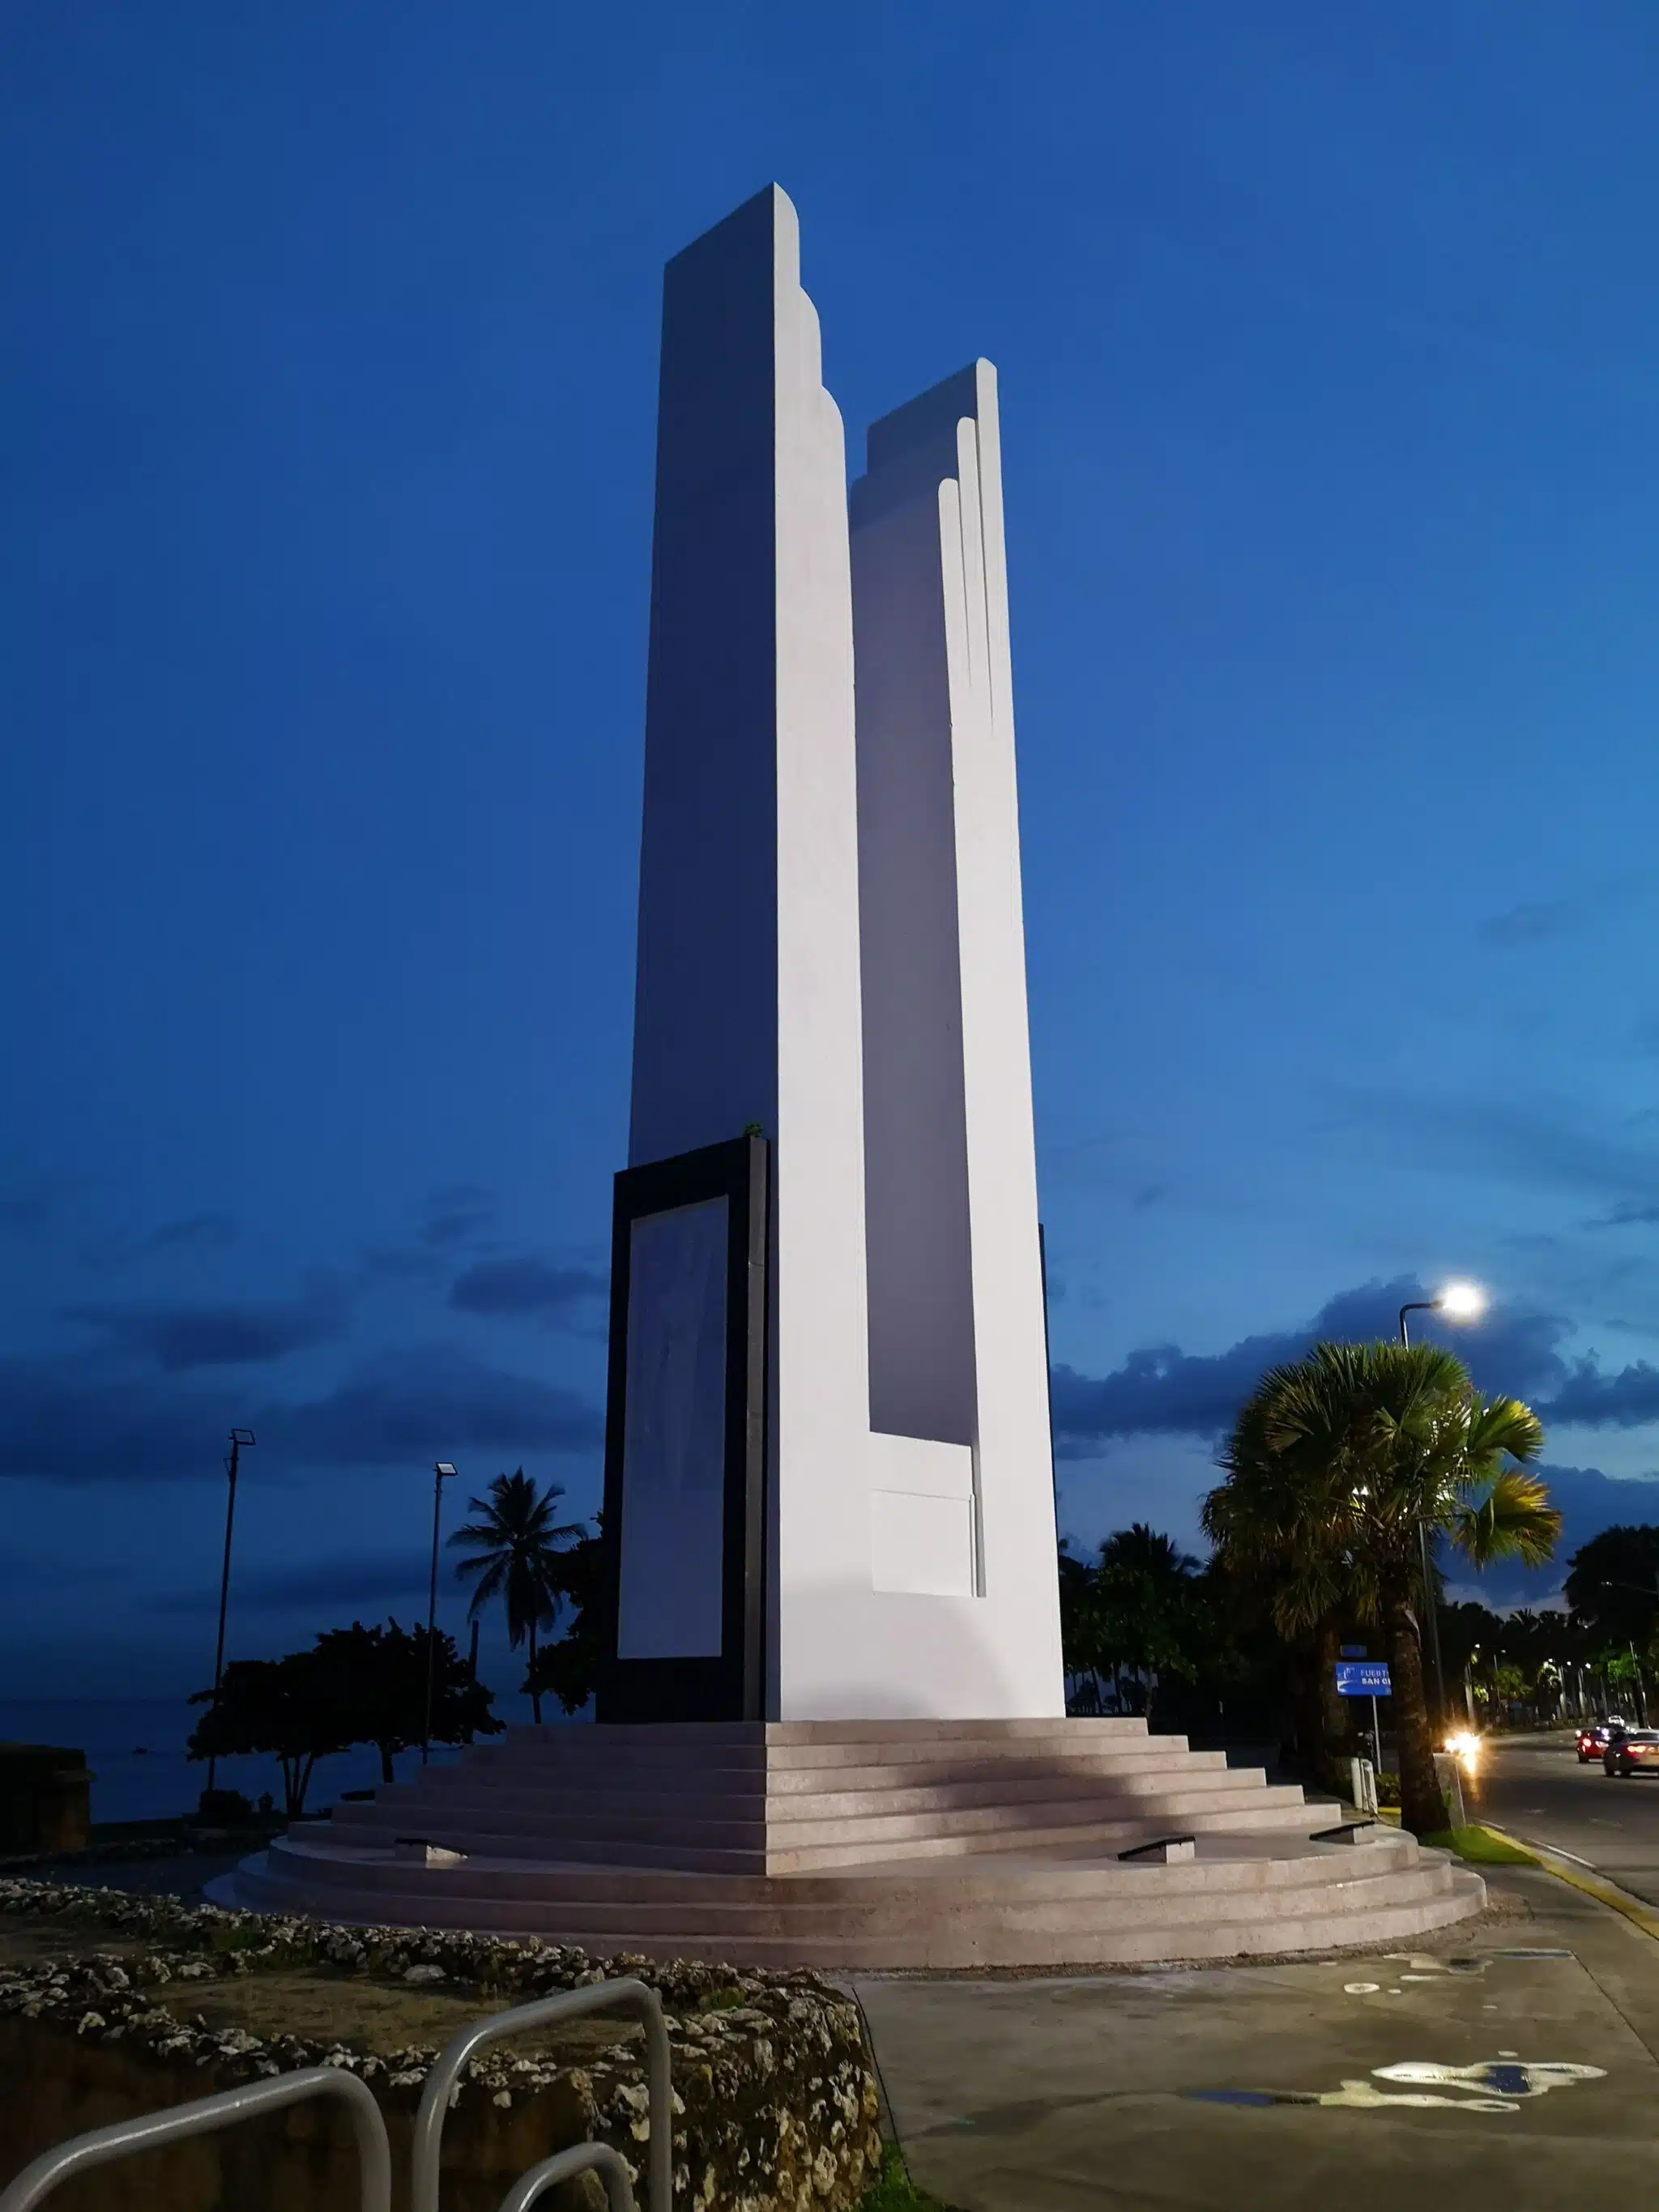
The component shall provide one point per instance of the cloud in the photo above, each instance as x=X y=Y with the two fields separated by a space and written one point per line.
x=450 y=1219
x=1534 y=921
x=34 y=1201
x=525 y=1286
x=180 y=1337
x=1629 y=1213
x=457 y=1215
x=1589 y=1501
x=1162 y=1391
x=70 y=1420
x=200 y=1231
x=353 y=1583
x=429 y=1403
x=397 y=1263
x=1591 y=1400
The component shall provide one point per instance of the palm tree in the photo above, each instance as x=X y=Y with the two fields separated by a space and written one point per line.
x=516 y=1546
x=1279 y=1549
x=1332 y=1466
x=1147 y=1613
x=1139 y=1549
x=1078 y=1626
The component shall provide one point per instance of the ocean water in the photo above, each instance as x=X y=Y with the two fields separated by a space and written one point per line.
x=136 y=1750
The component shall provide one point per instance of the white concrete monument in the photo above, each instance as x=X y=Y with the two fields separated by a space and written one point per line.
x=829 y=1509
x=831 y=959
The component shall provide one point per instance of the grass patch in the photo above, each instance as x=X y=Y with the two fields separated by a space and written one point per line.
x=894 y=2191
x=235 y=1937
x=1480 y=1847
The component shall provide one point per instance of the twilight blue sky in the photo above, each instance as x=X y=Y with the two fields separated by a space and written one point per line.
x=1330 y=371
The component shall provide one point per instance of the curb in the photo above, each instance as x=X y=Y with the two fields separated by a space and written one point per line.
x=1592 y=1885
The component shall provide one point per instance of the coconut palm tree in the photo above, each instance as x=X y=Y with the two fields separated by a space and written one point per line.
x=516 y=1546
x=1272 y=1536
x=1333 y=1464
x=1147 y=1611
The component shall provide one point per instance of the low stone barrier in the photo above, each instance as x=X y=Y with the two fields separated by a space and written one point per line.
x=106 y=2004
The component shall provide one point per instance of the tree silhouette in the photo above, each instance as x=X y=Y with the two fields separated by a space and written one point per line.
x=377 y=1680
x=283 y=1708
x=516 y=1548
x=355 y=1685
x=569 y=1669
x=1334 y=1464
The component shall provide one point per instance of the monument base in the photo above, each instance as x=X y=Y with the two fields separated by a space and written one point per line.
x=865 y=1843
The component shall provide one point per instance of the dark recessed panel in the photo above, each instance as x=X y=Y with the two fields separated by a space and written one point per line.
x=685 y=1434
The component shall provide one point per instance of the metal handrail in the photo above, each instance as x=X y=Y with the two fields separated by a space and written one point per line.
x=628 y=1994
x=583 y=2158
x=204 y=2116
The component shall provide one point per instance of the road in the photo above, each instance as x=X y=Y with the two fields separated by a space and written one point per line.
x=1535 y=1787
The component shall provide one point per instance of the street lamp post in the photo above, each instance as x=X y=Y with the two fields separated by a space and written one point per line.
x=1464 y=1303
x=238 y=1438
x=440 y=1469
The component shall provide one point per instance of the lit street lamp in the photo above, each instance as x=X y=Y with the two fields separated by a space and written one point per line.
x=1459 y=1302
x=238 y=1437
x=440 y=1469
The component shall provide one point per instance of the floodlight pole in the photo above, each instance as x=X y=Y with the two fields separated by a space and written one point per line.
x=1431 y=1604
x=440 y=1470
x=238 y=1438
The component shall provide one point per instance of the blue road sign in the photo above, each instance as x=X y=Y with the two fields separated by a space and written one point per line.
x=1362 y=1678
x=1353 y=1651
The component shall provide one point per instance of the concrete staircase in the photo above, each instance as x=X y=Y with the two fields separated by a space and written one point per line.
x=804 y=1797
x=868 y=1844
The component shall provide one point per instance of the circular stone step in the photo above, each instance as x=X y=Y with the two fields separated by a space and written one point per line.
x=992 y=1882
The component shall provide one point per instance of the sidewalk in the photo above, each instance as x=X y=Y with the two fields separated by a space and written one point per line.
x=1514 y=2065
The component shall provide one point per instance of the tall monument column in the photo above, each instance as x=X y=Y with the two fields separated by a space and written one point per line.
x=831 y=1593
x=829 y=1491
x=961 y=1502
x=746 y=1011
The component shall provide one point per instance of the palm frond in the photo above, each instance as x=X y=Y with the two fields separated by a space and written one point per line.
x=478 y=1562
x=492 y=1574
x=1500 y=1425
x=1514 y=1519
x=475 y=1534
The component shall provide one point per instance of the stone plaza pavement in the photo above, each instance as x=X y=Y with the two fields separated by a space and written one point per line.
x=1512 y=2063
